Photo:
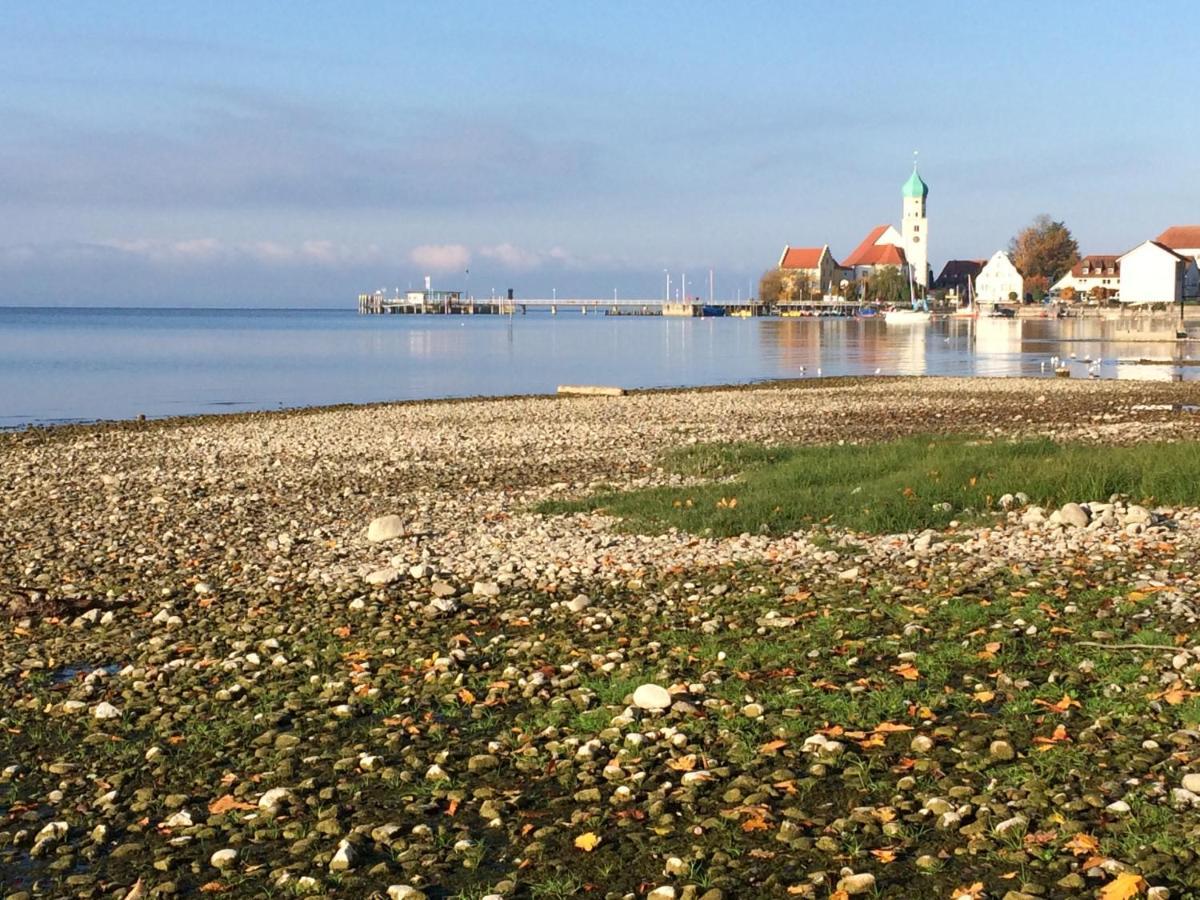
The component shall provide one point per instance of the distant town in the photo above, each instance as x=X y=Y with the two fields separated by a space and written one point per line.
x=1041 y=270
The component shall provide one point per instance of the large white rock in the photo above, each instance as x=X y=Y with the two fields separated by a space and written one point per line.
x=861 y=883
x=404 y=892
x=1074 y=515
x=385 y=575
x=105 y=710
x=1191 y=782
x=272 y=800
x=385 y=528
x=224 y=859
x=651 y=696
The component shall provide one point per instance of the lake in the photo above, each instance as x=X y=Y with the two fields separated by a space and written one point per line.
x=67 y=365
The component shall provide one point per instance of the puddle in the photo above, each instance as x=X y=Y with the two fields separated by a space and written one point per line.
x=79 y=671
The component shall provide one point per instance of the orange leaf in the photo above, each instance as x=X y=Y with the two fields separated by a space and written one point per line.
x=227 y=803
x=1082 y=844
x=884 y=855
x=342 y=631
x=891 y=728
x=1060 y=706
x=587 y=842
x=985 y=696
x=466 y=696
x=971 y=892
x=907 y=671
x=682 y=763
x=1124 y=886
x=772 y=746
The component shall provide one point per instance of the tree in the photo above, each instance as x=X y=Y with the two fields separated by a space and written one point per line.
x=1067 y=294
x=770 y=286
x=888 y=285
x=1044 y=250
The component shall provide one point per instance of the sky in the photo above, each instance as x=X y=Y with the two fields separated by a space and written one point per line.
x=272 y=154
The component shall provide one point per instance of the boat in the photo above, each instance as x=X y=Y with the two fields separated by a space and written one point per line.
x=708 y=311
x=971 y=310
x=907 y=316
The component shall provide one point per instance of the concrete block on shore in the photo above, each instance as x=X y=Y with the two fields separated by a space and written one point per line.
x=589 y=390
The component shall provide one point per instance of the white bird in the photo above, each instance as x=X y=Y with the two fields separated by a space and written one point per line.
x=877 y=371
x=818 y=370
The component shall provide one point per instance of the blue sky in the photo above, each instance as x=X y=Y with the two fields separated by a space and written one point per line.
x=295 y=154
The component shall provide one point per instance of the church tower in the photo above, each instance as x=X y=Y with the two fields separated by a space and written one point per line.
x=914 y=227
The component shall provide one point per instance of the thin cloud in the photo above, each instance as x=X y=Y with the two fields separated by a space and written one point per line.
x=440 y=257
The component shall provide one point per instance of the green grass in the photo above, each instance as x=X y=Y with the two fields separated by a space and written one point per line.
x=891 y=487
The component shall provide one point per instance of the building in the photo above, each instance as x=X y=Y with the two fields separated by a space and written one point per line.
x=879 y=249
x=1154 y=273
x=998 y=281
x=884 y=246
x=813 y=269
x=914 y=225
x=1185 y=240
x=1096 y=271
x=957 y=276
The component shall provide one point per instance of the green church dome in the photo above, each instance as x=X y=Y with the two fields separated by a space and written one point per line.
x=915 y=187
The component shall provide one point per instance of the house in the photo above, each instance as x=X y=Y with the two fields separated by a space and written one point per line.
x=1095 y=272
x=1185 y=240
x=879 y=249
x=1154 y=273
x=998 y=281
x=813 y=269
x=956 y=275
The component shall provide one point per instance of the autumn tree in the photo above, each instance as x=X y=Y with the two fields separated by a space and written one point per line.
x=770 y=286
x=1044 y=251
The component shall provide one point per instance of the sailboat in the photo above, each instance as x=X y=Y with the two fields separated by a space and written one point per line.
x=971 y=310
x=919 y=314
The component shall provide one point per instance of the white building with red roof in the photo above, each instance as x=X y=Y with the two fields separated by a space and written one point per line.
x=1154 y=273
x=1185 y=240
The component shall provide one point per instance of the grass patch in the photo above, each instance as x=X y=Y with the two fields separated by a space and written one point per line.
x=891 y=487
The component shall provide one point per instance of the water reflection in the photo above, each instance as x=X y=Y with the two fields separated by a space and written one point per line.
x=84 y=364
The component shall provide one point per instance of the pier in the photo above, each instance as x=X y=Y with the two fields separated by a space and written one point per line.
x=454 y=303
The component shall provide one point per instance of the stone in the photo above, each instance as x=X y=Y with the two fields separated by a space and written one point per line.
x=921 y=744
x=651 y=697
x=404 y=892
x=1118 y=807
x=849 y=574
x=579 y=603
x=272 y=800
x=1001 y=751
x=1191 y=782
x=385 y=575
x=105 y=710
x=1074 y=515
x=482 y=762
x=486 y=589
x=343 y=859
x=385 y=528
x=863 y=883
x=442 y=589
x=662 y=893
x=224 y=859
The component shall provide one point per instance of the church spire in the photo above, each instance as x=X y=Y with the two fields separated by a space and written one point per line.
x=915 y=187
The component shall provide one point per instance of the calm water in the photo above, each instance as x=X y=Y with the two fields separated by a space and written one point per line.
x=61 y=365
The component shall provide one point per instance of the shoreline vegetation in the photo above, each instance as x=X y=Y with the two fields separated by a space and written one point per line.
x=408 y=650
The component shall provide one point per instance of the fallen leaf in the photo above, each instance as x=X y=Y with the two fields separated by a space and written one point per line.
x=772 y=746
x=683 y=763
x=884 y=855
x=907 y=671
x=970 y=892
x=587 y=842
x=342 y=631
x=891 y=728
x=985 y=696
x=1124 y=886
x=1174 y=695
x=755 y=823
x=1082 y=844
x=466 y=696
x=227 y=803
x=1059 y=706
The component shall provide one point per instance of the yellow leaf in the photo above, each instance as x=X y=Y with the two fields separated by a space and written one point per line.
x=1082 y=844
x=772 y=746
x=891 y=728
x=884 y=855
x=755 y=823
x=1124 y=886
x=466 y=696
x=971 y=892
x=1059 y=706
x=907 y=671
x=985 y=696
x=586 y=842
x=683 y=763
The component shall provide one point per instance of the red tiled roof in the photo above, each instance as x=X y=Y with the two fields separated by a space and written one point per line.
x=868 y=253
x=801 y=257
x=1162 y=246
x=1098 y=264
x=1180 y=237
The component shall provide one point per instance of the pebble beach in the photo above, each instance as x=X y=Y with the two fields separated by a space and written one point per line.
x=338 y=653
